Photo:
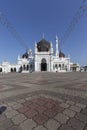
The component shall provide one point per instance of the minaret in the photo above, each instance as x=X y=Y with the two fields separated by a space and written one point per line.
x=51 y=47
x=57 y=52
x=35 y=48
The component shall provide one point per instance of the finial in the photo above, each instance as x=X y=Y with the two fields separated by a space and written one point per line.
x=51 y=44
x=35 y=43
x=68 y=55
x=43 y=35
x=18 y=56
x=56 y=37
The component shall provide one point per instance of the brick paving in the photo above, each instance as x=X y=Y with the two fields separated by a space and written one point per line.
x=43 y=101
x=78 y=125
x=60 y=117
x=40 y=113
x=1 y=88
x=52 y=124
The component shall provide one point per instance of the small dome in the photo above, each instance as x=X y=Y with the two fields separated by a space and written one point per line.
x=61 y=54
x=25 y=55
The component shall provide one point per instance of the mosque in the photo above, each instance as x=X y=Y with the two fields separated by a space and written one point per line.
x=42 y=60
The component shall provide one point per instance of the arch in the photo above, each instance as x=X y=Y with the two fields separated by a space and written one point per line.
x=43 y=60
x=63 y=66
x=15 y=70
x=43 y=65
x=0 y=69
x=27 y=67
x=60 y=66
x=56 y=66
x=20 y=69
x=53 y=66
x=66 y=67
x=24 y=67
x=12 y=70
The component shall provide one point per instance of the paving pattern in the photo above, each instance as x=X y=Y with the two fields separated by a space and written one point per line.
x=43 y=101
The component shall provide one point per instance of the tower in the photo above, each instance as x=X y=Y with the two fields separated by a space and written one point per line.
x=57 y=52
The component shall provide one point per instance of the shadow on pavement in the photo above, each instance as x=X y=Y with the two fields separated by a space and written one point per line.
x=2 y=109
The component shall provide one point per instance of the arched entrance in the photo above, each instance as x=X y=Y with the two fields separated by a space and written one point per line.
x=12 y=70
x=43 y=65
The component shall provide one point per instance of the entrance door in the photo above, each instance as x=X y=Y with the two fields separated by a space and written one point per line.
x=43 y=65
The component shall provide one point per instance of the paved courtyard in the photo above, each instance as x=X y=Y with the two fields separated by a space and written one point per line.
x=43 y=101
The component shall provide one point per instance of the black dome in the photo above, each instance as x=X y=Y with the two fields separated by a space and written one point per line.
x=43 y=46
x=61 y=54
x=25 y=55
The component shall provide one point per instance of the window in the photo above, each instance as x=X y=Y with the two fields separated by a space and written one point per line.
x=0 y=69
x=56 y=66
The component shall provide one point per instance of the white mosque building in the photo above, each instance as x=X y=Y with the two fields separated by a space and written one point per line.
x=42 y=60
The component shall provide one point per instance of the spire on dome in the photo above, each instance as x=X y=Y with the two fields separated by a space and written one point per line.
x=43 y=36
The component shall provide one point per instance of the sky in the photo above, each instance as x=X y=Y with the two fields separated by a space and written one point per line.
x=33 y=18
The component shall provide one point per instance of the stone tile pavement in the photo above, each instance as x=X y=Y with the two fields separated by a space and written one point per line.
x=28 y=103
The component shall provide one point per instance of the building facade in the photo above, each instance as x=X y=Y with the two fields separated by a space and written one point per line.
x=42 y=60
x=45 y=60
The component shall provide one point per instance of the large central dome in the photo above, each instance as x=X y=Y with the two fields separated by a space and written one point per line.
x=43 y=46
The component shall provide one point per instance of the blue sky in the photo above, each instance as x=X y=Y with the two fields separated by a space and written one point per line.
x=32 y=18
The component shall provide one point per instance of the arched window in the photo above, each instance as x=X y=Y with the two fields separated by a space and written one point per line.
x=24 y=67
x=27 y=67
x=66 y=67
x=0 y=69
x=11 y=69
x=63 y=66
x=53 y=66
x=56 y=66
x=20 y=69
x=14 y=69
x=60 y=66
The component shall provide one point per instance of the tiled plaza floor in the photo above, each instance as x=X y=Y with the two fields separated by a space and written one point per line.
x=43 y=101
